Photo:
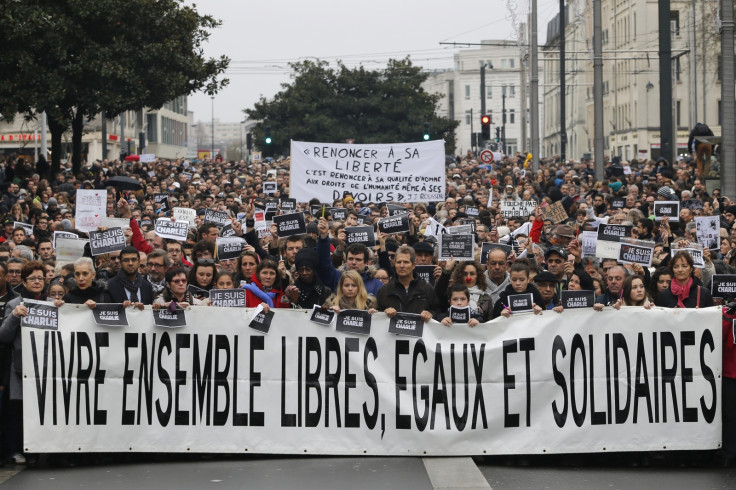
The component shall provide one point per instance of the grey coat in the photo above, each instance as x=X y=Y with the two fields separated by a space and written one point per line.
x=10 y=334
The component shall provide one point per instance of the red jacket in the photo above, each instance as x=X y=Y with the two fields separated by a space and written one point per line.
x=252 y=301
x=729 y=348
x=137 y=239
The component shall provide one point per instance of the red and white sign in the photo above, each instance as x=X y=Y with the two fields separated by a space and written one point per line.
x=486 y=156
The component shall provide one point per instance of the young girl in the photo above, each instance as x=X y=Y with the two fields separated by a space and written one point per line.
x=519 y=285
x=460 y=298
x=225 y=280
x=56 y=291
x=351 y=294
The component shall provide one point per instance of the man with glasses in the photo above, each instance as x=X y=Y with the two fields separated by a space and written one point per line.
x=15 y=266
x=158 y=264
x=129 y=287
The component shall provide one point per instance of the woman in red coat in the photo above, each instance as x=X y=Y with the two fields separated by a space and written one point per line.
x=266 y=288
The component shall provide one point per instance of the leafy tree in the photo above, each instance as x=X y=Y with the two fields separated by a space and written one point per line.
x=111 y=56
x=323 y=104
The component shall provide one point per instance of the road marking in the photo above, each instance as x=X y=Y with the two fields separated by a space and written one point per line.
x=7 y=473
x=459 y=473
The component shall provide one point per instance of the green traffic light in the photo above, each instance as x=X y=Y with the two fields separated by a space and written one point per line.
x=426 y=137
x=268 y=140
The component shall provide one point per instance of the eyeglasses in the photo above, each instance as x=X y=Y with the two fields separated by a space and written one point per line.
x=153 y=264
x=34 y=279
x=555 y=261
x=13 y=273
x=382 y=279
x=179 y=281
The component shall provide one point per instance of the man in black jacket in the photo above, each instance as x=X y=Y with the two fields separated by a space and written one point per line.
x=405 y=292
x=129 y=287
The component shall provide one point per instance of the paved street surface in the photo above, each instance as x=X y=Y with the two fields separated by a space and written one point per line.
x=272 y=472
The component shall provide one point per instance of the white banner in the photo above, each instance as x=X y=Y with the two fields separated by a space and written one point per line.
x=398 y=172
x=641 y=380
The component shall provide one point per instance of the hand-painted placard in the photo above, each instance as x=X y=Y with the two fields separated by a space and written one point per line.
x=41 y=314
x=360 y=234
x=459 y=315
x=169 y=319
x=323 y=316
x=110 y=315
x=185 y=214
x=220 y=218
x=409 y=324
x=227 y=297
x=517 y=209
x=229 y=248
x=457 y=247
x=394 y=224
x=426 y=272
x=173 y=230
x=577 y=299
x=90 y=206
x=354 y=321
x=521 y=303
x=555 y=211
x=104 y=242
x=670 y=209
x=290 y=224
x=723 y=286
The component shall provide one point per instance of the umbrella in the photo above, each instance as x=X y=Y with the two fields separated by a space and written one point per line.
x=124 y=183
x=132 y=158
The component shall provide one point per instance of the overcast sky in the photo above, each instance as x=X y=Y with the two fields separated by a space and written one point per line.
x=262 y=37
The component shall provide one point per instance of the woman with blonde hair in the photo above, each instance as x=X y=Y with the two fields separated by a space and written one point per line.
x=351 y=294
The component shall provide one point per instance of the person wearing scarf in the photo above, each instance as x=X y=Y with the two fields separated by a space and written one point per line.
x=32 y=287
x=176 y=293
x=86 y=290
x=685 y=290
x=308 y=289
x=265 y=288
x=129 y=287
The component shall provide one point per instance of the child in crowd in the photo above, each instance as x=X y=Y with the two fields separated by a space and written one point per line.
x=460 y=298
x=519 y=285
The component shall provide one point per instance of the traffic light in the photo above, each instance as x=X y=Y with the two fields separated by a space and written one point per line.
x=249 y=141
x=498 y=135
x=267 y=136
x=426 y=131
x=485 y=126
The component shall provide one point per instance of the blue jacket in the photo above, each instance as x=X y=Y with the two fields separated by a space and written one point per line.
x=330 y=276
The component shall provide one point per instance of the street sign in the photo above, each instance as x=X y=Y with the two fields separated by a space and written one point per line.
x=486 y=156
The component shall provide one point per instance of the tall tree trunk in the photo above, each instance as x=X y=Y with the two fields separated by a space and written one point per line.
x=57 y=126
x=77 y=128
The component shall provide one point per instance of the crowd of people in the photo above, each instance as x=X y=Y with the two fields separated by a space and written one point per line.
x=537 y=254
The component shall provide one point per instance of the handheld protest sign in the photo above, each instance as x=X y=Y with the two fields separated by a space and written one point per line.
x=161 y=203
x=517 y=209
x=90 y=206
x=287 y=204
x=26 y=226
x=64 y=234
x=556 y=212
x=290 y=224
x=692 y=204
x=588 y=245
x=262 y=321
x=486 y=248
x=339 y=214
x=270 y=187
x=467 y=229
x=395 y=209
x=634 y=251
x=220 y=218
x=670 y=209
x=228 y=297
x=173 y=230
x=609 y=240
x=457 y=247
x=617 y=203
x=185 y=214
x=169 y=319
x=409 y=324
x=360 y=234
x=110 y=315
x=227 y=230
x=426 y=272
x=472 y=210
x=723 y=286
x=459 y=315
x=104 y=242
x=41 y=314
x=354 y=321
x=318 y=210
x=228 y=248
x=521 y=303
x=198 y=292
x=394 y=224
x=577 y=299
x=323 y=316
x=695 y=252
x=707 y=230
x=69 y=249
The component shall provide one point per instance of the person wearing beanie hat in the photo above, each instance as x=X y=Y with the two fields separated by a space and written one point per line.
x=665 y=193
x=546 y=283
x=67 y=225
x=307 y=289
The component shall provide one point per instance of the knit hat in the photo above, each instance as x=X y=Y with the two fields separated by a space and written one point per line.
x=306 y=257
x=67 y=225
x=666 y=192
x=546 y=276
x=730 y=209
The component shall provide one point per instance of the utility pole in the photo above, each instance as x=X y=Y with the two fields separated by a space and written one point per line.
x=522 y=76
x=693 y=70
x=728 y=124
x=563 y=133
x=665 y=81
x=503 y=126
x=44 y=142
x=598 y=144
x=471 y=132
x=104 y=136
x=482 y=88
x=212 y=154
x=534 y=88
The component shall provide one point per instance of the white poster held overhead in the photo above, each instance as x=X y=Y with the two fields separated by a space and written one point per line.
x=399 y=172
x=90 y=207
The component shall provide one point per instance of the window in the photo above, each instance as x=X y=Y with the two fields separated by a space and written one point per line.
x=512 y=116
x=467 y=91
x=503 y=62
x=489 y=91
x=675 y=22
x=678 y=68
x=512 y=91
x=719 y=113
x=151 y=128
x=467 y=118
x=503 y=90
x=511 y=62
x=678 y=114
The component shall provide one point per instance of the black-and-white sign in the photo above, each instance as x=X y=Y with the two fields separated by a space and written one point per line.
x=486 y=248
x=724 y=286
x=609 y=238
x=262 y=321
x=457 y=247
x=169 y=319
x=323 y=316
x=360 y=234
x=394 y=224
x=198 y=292
x=161 y=203
x=461 y=229
x=695 y=253
x=409 y=324
x=104 y=242
x=671 y=209
x=319 y=210
x=110 y=315
x=459 y=315
x=220 y=218
x=41 y=314
x=354 y=321
x=270 y=187
x=64 y=234
x=287 y=204
x=395 y=209
x=517 y=209
x=229 y=248
x=228 y=297
x=617 y=203
x=707 y=230
x=227 y=230
x=577 y=299
x=472 y=210
x=173 y=230
x=426 y=272
x=692 y=204
x=634 y=251
x=521 y=303
x=339 y=214
x=290 y=224
x=26 y=226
